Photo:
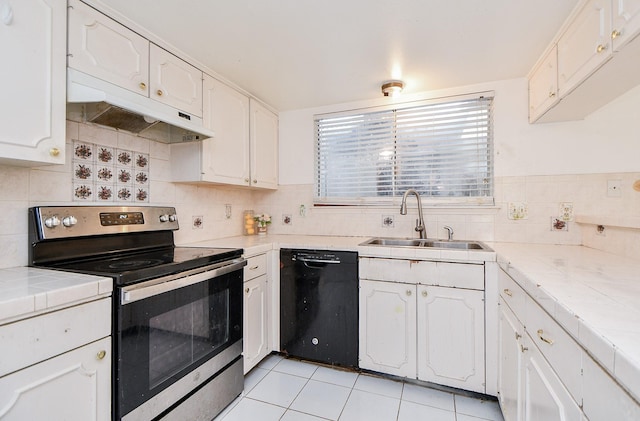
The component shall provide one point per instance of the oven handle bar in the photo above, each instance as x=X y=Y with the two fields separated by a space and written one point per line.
x=133 y=293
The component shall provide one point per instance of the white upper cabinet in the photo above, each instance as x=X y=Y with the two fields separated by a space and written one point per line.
x=585 y=45
x=543 y=86
x=174 y=81
x=101 y=47
x=33 y=109
x=264 y=146
x=626 y=22
x=598 y=53
x=244 y=151
x=225 y=157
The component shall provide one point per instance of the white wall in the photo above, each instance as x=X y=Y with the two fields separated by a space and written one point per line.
x=606 y=141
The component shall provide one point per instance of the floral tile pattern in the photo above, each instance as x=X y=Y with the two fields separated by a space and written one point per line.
x=106 y=174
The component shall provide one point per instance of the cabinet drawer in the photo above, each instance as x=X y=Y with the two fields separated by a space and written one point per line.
x=458 y=275
x=562 y=352
x=397 y=270
x=256 y=266
x=29 y=341
x=512 y=294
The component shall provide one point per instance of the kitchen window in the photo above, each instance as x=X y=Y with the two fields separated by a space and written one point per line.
x=442 y=148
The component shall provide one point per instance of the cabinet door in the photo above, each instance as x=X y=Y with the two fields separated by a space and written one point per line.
x=545 y=398
x=626 y=22
x=510 y=364
x=388 y=327
x=585 y=45
x=75 y=386
x=264 y=146
x=226 y=112
x=103 y=48
x=543 y=86
x=255 y=323
x=451 y=337
x=33 y=83
x=175 y=82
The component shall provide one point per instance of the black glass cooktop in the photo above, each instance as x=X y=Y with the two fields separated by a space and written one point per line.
x=127 y=268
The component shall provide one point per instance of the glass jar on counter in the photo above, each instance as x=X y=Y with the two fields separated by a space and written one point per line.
x=249 y=223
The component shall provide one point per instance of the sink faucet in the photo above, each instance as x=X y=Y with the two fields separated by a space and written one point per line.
x=450 y=232
x=420 y=227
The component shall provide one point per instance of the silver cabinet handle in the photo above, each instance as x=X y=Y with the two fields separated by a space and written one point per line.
x=408 y=293
x=508 y=292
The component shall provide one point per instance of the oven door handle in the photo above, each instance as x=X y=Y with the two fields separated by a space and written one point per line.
x=133 y=293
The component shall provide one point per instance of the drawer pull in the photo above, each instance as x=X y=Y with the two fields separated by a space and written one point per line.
x=254 y=267
x=247 y=290
x=508 y=292
x=408 y=293
x=518 y=336
x=523 y=348
x=543 y=339
x=101 y=354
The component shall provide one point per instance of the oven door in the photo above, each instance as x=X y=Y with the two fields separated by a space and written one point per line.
x=166 y=328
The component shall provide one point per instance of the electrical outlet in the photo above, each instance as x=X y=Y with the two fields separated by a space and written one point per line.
x=387 y=221
x=614 y=188
x=518 y=210
x=566 y=211
x=286 y=219
x=227 y=211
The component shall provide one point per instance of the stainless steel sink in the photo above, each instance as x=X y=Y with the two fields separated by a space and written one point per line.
x=426 y=242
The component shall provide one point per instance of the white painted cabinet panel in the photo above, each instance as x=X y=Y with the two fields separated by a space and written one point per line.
x=264 y=146
x=174 y=82
x=101 y=47
x=545 y=397
x=585 y=45
x=33 y=109
x=256 y=321
x=388 y=327
x=226 y=112
x=626 y=22
x=75 y=386
x=510 y=366
x=451 y=337
x=604 y=399
x=543 y=86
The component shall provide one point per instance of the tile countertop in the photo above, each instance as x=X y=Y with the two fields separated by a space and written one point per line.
x=26 y=291
x=594 y=295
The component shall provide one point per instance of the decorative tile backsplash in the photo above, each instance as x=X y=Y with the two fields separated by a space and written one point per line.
x=107 y=174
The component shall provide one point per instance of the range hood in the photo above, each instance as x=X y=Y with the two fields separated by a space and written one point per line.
x=95 y=101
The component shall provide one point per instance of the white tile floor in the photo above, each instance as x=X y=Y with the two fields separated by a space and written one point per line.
x=290 y=390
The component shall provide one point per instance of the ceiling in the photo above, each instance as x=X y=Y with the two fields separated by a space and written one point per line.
x=306 y=53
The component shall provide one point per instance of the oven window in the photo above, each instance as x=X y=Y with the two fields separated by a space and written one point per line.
x=185 y=334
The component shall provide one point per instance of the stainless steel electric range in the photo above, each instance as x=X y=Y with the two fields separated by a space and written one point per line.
x=177 y=311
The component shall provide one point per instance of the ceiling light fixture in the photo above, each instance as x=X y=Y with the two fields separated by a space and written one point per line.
x=392 y=87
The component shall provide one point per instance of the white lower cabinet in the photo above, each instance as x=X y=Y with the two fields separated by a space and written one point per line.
x=451 y=337
x=510 y=368
x=57 y=366
x=544 y=395
x=75 y=386
x=432 y=333
x=388 y=327
x=256 y=312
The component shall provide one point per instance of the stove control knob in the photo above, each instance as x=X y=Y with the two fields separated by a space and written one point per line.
x=173 y=218
x=164 y=218
x=52 y=222
x=69 y=221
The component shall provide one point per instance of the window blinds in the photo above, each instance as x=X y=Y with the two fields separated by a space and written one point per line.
x=442 y=149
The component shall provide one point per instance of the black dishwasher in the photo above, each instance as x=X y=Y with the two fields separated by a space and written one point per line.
x=319 y=305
